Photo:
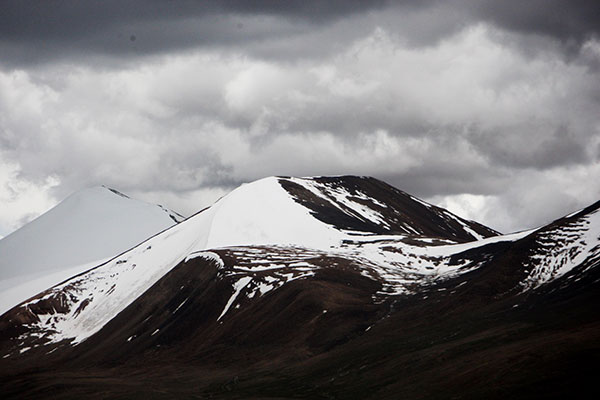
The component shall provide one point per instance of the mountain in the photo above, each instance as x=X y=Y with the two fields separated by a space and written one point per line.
x=369 y=205
x=325 y=287
x=86 y=228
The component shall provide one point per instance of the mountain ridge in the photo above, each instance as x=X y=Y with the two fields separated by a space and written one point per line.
x=238 y=295
x=401 y=212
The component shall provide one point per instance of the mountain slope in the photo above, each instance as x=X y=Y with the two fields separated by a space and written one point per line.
x=260 y=213
x=83 y=230
x=320 y=212
x=369 y=205
x=272 y=293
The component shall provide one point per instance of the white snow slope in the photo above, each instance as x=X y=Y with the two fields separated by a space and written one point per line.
x=259 y=213
x=82 y=231
x=262 y=212
x=562 y=249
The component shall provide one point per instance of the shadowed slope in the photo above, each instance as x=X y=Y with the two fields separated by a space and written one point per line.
x=369 y=205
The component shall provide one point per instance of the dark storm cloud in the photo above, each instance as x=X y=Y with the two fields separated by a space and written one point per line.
x=570 y=21
x=63 y=18
x=38 y=31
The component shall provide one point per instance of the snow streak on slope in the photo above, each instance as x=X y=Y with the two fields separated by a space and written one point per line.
x=406 y=269
x=260 y=269
x=400 y=268
x=340 y=198
x=563 y=248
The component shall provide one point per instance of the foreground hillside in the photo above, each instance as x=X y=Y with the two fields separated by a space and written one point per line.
x=340 y=287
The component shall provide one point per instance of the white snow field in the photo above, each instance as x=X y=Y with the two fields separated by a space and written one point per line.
x=82 y=231
x=262 y=212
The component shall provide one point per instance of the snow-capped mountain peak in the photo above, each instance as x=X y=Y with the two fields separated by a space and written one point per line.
x=89 y=226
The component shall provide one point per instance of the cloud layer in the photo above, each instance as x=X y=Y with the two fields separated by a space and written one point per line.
x=467 y=104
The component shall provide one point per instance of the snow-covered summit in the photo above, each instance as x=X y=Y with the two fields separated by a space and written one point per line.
x=89 y=226
x=263 y=212
x=319 y=212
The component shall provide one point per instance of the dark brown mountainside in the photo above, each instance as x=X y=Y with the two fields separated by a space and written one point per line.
x=375 y=318
x=333 y=200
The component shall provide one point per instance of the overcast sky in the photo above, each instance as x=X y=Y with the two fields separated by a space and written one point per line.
x=490 y=108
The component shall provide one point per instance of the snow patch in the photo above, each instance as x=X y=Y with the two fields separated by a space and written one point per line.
x=562 y=249
x=237 y=288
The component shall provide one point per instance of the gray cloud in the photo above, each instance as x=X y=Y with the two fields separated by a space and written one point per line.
x=464 y=103
x=571 y=22
x=105 y=32
x=33 y=31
